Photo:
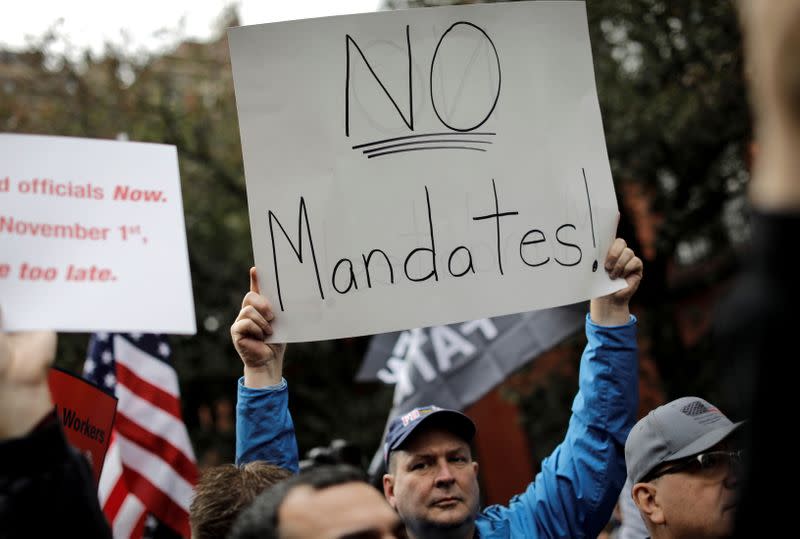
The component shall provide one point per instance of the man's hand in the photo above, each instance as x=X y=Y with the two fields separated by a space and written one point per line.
x=612 y=310
x=24 y=394
x=263 y=361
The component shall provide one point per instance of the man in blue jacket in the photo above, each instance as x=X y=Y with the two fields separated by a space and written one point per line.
x=264 y=427
x=432 y=479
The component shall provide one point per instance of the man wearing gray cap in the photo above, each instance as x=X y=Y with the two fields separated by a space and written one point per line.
x=684 y=466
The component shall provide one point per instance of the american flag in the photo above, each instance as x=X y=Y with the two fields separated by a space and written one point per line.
x=150 y=467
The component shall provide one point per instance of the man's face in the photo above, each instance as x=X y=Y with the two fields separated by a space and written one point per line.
x=434 y=482
x=348 y=511
x=698 y=501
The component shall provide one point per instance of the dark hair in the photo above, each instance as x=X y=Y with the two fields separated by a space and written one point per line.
x=260 y=520
x=223 y=491
x=337 y=452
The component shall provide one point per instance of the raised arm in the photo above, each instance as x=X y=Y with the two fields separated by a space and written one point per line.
x=264 y=427
x=24 y=395
x=574 y=493
x=44 y=483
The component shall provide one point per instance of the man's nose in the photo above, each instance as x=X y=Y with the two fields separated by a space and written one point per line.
x=732 y=475
x=444 y=476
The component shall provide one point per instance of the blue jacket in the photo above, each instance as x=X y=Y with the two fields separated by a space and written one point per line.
x=574 y=493
x=264 y=427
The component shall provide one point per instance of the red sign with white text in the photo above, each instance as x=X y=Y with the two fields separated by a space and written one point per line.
x=87 y=414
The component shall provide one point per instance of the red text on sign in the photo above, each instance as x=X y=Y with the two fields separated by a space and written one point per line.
x=92 y=273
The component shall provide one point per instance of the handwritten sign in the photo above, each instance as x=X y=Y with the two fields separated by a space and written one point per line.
x=423 y=167
x=87 y=414
x=92 y=236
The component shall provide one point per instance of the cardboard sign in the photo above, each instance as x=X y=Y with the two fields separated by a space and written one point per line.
x=423 y=167
x=92 y=236
x=86 y=413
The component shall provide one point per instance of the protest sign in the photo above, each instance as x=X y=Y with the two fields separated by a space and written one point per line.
x=92 y=236
x=86 y=413
x=423 y=167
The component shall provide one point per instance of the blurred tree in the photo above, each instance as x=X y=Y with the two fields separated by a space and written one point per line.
x=185 y=97
x=670 y=82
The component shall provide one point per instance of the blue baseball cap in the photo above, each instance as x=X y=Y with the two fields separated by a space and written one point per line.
x=401 y=427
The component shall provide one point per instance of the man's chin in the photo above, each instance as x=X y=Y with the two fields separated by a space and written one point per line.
x=450 y=517
x=729 y=519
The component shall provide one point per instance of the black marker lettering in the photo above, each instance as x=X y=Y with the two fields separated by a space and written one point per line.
x=410 y=121
x=431 y=250
x=496 y=215
x=525 y=241
x=351 y=283
x=366 y=266
x=433 y=68
x=469 y=263
x=591 y=219
x=580 y=253
x=303 y=215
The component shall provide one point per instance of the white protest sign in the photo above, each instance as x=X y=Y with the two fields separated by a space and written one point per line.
x=92 y=236
x=423 y=167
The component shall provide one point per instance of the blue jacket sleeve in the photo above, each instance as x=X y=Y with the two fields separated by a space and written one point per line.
x=574 y=493
x=264 y=427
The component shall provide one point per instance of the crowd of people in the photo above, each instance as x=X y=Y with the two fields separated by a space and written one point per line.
x=688 y=470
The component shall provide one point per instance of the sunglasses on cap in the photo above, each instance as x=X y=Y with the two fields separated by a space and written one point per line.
x=710 y=461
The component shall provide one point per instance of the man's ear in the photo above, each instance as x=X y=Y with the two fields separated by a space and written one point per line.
x=475 y=467
x=644 y=496
x=388 y=489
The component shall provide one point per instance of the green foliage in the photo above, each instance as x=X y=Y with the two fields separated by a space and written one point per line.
x=671 y=87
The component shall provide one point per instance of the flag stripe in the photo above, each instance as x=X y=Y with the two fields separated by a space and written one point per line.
x=153 y=370
x=138 y=529
x=129 y=514
x=155 y=420
x=112 y=470
x=115 y=500
x=160 y=504
x=161 y=474
x=148 y=391
x=158 y=446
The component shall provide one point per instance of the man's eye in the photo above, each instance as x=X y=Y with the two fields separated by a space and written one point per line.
x=709 y=461
x=418 y=466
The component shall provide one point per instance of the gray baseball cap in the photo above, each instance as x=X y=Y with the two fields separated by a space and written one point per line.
x=678 y=429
